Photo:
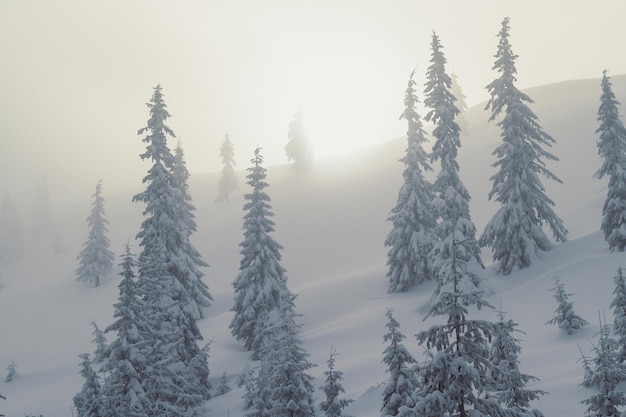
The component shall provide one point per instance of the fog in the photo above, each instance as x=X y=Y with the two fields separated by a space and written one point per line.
x=75 y=75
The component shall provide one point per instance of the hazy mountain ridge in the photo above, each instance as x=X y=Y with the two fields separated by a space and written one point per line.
x=332 y=224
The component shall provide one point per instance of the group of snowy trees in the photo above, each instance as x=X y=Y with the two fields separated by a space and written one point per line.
x=298 y=149
x=154 y=365
x=429 y=218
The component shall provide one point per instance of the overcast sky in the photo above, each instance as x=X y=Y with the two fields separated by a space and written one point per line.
x=75 y=75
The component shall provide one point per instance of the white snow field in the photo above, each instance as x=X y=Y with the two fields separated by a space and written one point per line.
x=332 y=224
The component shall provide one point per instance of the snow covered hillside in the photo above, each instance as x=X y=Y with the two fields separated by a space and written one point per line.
x=332 y=224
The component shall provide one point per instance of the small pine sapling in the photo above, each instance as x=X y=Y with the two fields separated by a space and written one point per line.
x=565 y=317
x=607 y=376
x=223 y=387
x=246 y=381
x=333 y=406
x=11 y=371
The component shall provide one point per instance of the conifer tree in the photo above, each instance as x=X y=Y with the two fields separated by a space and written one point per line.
x=457 y=91
x=455 y=228
x=223 y=387
x=125 y=363
x=228 y=181
x=619 y=313
x=413 y=234
x=95 y=259
x=88 y=402
x=261 y=279
x=515 y=232
x=288 y=389
x=99 y=339
x=188 y=266
x=298 y=147
x=454 y=380
x=246 y=381
x=612 y=150
x=11 y=232
x=333 y=406
x=608 y=373
x=509 y=383
x=565 y=317
x=11 y=371
x=176 y=380
x=399 y=393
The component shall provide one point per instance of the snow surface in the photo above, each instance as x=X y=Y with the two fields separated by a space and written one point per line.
x=332 y=223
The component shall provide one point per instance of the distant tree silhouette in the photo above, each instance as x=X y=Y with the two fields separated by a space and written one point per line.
x=228 y=181
x=95 y=259
x=298 y=147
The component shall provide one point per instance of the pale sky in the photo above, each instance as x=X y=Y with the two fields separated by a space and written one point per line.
x=75 y=75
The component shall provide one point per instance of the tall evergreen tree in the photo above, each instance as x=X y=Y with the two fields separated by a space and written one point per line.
x=88 y=402
x=261 y=279
x=287 y=387
x=189 y=263
x=565 y=317
x=95 y=259
x=618 y=304
x=333 y=406
x=455 y=229
x=454 y=380
x=399 y=393
x=413 y=234
x=607 y=375
x=298 y=147
x=11 y=232
x=126 y=364
x=509 y=382
x=612 y=150
x=515 y=232
x=173 y=386
x=228 y=181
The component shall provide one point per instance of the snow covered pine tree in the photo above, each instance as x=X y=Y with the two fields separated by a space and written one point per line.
x=413 y=232
x=612 y=150
x=333 y=406
x=515 y=233
x=95 y=259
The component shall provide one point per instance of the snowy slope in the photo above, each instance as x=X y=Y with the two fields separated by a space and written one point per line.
x=332 y=223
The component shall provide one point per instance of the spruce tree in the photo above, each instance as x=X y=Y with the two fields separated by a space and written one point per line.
x=228 y=181
x=261 y=278
x=607 y=375
x=515 y=232
x=89 y=402
x=223 y=387
x=288 y=388
x=172 y=385
x=298 y=147
x=95 y=259
x=333 y=406
x=126 y=364
x=11 y=371
x=246 y=381
x=612 y=150
x=99 y=339
x=457 y=91
x=509 y=383
x=565 y=318
x=189 y=263
x=457 y=375
x=455 y=228
x=618 y=304
x=399 y=393
x=413 y=232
